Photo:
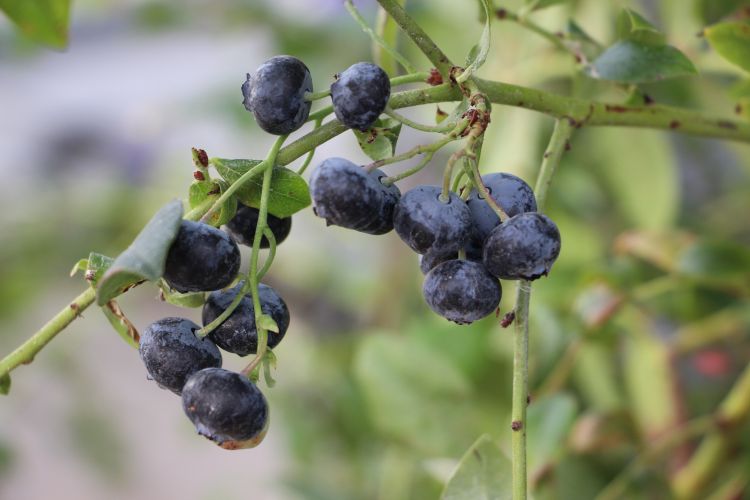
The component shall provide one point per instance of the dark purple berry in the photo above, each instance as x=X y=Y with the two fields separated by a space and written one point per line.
x=201 y=258
x=226 y=408
x=427 y=224
x=171 y=352
x=522 y=247
x=510 y=192
x=238 y=334
x=461 y=291
x=360 y=94
x=346 y=195
x=275 y=94
x=242 y=226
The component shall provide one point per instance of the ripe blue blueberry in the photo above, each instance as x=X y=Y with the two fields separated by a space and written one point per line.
x=226 y=408
x=242 y=226
x=238 y=334
x=201 y=258
x=461 y=291
x=510 y=192
x=522 y=247
x=360 y=94
x=171 y=352
x=275 y=94
x=427 y=224
x=346 y=195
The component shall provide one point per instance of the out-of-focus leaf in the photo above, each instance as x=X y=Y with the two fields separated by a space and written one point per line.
x=632 y=61
x=660 y=249
x=380 y=141
x=542 y=4
x=406 y=384
x=710 y=11
x=483 y=473
x=144 y=259
x=716 y=261
x=389 y=31
x=478 y=53
x=5 y=384
x=597 y=303
x=731 y=41
x=632 y=26
x=596 y=377
x=44 y=21
x=548 y=422
x=578 y=478
x=205 y=193
x=639 y=170
x=288 y=193
x=583 y=44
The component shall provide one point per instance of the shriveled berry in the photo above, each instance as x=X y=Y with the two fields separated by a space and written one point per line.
x=511 y=193
x=226 y=407
x=275 y=94
x=201 y=258
x=360 y=94
x=242 y=226
x=346 y=195
x=427 y=224
x=522 y=247
x=171 y=352
x=238 y=333
x=461 y=291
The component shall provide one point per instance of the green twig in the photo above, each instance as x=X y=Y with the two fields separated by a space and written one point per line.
x=520 y=398
x=25 y=353
x=558 y=144
x=315 y=96
x=443 y=127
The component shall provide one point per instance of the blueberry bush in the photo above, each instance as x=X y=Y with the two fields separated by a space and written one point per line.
x=606 y=393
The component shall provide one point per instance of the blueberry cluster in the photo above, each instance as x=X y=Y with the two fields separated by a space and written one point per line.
x=224 y=406
x=464 y=245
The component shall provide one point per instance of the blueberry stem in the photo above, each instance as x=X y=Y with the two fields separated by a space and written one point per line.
x=520 y=396
x=409 y=172
x=352 y=10
x=311 y=154
x=25 y=353
x=268 y=234
x=558 y=144
x=315 y=96
x=419 y=126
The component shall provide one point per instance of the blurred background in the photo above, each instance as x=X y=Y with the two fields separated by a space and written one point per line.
x=642 y=326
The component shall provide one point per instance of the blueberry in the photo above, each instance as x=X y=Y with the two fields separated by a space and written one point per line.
x=242 y=226
x=360 y=94
x=171 y=352
x=237 y=333
x=461 y=291
x=427 y=224
x=523 y=247
x=510 y=192
x=346 y=195
x=275 y=94
x=201 y=258
x=226 y=408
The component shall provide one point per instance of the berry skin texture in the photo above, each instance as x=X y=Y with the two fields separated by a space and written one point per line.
x=226 y=408
x=238 y=334
x=346 y=195
x=510 y=192
x=242 y=226
x=428 y=225
x=522 y=247
x=461 y=291
x=360 y=94
x=171 y=352
x=275 y=94
x=201 y=258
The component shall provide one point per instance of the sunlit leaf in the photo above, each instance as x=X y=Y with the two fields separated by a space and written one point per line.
x=144 y=259
x=484 y=473
x=631 y=61
x=44 y=21
x=732 y=42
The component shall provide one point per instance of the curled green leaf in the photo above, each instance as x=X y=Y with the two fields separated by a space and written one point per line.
x=478 y=53
x=732 y=42
x=631 y=61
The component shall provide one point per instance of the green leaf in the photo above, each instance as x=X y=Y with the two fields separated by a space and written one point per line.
x=144 y=259
x=288 y=193
x=44 y=21
x=5 y=384
x=380 y=141
x=121 y=323
x=548 y=422
x=267 y=323
x=96 y=265
x=205 y=193
x=189 y=299
x=633 y=26
x=478 y=53
x=542 y=4
x=483 y=473
x=405 y=384
x=716 y=261
x=710 y=11
x=732 y=42
x=631 y=61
